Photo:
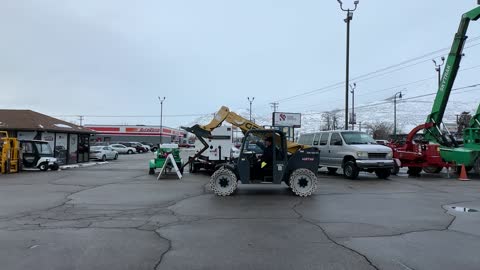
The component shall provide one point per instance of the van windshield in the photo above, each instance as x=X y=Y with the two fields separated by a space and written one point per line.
x=357 y=138
x=43 y=148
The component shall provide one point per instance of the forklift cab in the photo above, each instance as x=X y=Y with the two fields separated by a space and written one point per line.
x=252 y=167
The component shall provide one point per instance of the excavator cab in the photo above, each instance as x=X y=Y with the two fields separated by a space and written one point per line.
x=256 y=164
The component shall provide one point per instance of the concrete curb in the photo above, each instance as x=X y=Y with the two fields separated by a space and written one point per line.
x=89 y=164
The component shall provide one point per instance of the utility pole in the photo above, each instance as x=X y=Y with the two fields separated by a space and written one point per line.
x=251 y=101
x=347 y=66
x=80 y=117
x=353 y=119
x=161 y=119
x=274 y=106
x=438 y=69
x=395 y=113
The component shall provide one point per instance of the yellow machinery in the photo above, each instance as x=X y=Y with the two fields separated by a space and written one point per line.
x=224 y=114
x=10 y=150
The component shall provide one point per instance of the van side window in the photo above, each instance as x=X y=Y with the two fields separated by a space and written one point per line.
x=316 y=138
x=336 y=139
x=324 y=139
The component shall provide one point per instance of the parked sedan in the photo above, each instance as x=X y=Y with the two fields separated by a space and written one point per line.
x=138 y=146
x=122 y=149
x=103 y=153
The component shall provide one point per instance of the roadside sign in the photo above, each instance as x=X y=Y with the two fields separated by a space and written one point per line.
x=284 y=119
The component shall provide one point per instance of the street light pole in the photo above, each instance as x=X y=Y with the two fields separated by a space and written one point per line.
x=395 y=113
x=161 y=118
x=251 y=101
x=347 y=66
x=437 y=69
x=353 y=120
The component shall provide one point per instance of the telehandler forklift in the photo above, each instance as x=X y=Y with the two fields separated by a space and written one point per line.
x=292 y=163
x=9 y=153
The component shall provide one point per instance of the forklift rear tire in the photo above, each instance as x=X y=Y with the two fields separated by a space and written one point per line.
x=43 y=167
x=223 y=182
x=303 y=182
x=151 y=171
x=350 y=170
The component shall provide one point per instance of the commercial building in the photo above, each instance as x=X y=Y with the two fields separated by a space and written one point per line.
x=148 y=134
x=69 y=142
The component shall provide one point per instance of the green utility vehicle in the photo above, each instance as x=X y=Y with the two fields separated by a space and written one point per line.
x=469 y=153
x=161 y=156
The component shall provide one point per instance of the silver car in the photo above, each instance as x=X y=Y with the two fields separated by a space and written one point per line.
x=352 y=151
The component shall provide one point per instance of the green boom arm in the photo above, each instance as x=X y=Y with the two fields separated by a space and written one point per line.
x=448 y=78
x=475 y=121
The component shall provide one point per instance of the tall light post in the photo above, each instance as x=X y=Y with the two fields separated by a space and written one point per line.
x=438 y=68
x=353 y=119
x=399 y=94
x=161 y=118
x=347 y=66
x=251 y=101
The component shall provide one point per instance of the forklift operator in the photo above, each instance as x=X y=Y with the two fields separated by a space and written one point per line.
x=267 y=156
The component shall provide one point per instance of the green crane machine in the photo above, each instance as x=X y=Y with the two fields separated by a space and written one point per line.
x=468 y=154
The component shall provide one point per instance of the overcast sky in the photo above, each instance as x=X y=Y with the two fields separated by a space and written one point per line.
x=115 y=57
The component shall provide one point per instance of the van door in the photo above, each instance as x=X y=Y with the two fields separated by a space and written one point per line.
x=335 y=149
x=323 y=147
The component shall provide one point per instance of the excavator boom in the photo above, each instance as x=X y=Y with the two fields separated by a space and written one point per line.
x=224 y=114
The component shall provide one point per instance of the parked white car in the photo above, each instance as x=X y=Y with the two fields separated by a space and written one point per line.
x=122 y=149
x=103 y=153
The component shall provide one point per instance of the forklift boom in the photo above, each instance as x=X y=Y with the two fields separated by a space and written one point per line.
x=452 y=65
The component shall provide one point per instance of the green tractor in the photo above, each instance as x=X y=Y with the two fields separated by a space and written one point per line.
x=161 y=157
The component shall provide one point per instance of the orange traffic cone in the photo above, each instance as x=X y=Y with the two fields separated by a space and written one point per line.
x=463 y=174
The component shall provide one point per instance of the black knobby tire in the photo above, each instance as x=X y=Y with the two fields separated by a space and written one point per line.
x=151 y=171
x=414 y=171
x=332 y=170
x=223 y=182
x=54 y=167
x=432 y=169
x=104 y=158
x=43 y=167
x=383 y=173
x=303 y=182
x=350 y=170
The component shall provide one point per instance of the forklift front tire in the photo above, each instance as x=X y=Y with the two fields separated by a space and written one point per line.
x=151 y=171
x=223 y=182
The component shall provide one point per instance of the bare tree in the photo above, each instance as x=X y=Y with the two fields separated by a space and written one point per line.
x=380 y=130
x=331 y=120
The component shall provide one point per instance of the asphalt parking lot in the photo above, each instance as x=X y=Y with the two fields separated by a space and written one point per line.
x=116 y=216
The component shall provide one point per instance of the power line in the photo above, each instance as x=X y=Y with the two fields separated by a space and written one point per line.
x=474 y=86
x=133 y=116
x=362 y=77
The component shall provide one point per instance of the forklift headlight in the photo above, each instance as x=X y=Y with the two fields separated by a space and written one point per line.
x=362 y=154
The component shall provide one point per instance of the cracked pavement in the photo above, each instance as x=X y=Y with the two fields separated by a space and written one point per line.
x=116 y=216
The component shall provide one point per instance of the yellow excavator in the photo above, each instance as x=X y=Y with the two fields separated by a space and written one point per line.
x=10 y=150
x=224 y=114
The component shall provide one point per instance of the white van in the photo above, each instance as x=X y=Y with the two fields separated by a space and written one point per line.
x=352 y=151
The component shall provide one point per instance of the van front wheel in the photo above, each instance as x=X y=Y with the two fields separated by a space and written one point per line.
x=350 y=170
